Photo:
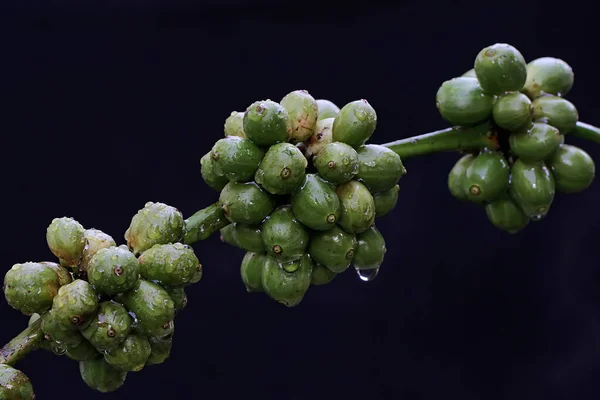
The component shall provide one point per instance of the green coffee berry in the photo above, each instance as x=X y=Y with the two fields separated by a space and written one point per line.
x=282 y=169
x=267 y=123
x=251 y=271
x=355 y=123
x=333 y=249
x=512 y=111
x=234 y=124
x=321 y=137
x=456 y=177
x=532 y=188
x=160 y=350
x=486 y=177
x=358 y=207
x=179 y=297
x=337 y=162
x=287 y=288
x=321 y=275
x=327 y=109
x=153 y=308
x=462 y=101
x=556 y=111
x=210 y=177
x=131 y=355
x=156 y=223
x=370 y=249
x=246 y=203
x=14 y=384
x=572 y=168
x=101 y=376
x=315 y=203
x=500 y=68
x=109 y=327
x=236 y=158
x=379 y=168
x=385 y=201
x=96 y=240
x=173 y=265
x=506 y=215
x=82 y=352
x=548 y=75
x=113 y=270
x=303 y=110
x=66 y=240
x=56 y=335
x=75 y=305
x=284 y=238
x=536 y=143
x=31 y=287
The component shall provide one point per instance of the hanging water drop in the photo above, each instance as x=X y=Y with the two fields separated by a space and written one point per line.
x=367 y=275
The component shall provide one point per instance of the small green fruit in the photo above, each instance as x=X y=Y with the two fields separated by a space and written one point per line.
x=109 y=327
x=500 y=68
x=556 y=111
x=385 y=201
x=131 y=355
x=486 y=177
x=285 y=238
x=251 y=271
x=153 y=308
x=173 y=264
x=572 y=168
x=14 y=384
x=315 y=203
x=456 y=177
x=31 y=287
x=321 y=137
x=462 y=102
x=532 y=188
x=333 y=249
x=234 y=124
x=327 y=109
x=101 y=376
x=358 y=207
x=379 y=168
x=321 y=275
x=512 y=111
x=236 y=158
x=210 y=177
x=287 y=288
x=113 y=270
x=337 y=162
x=303 y=110
x=66 y=240
x=370 y=249
x=548 y=75
x=267 y=123
x=355 y=123
x=246 y=203
x=75 y=305
x=506 y=215
x=96 y=240
x=282 y=169
x=536 y=143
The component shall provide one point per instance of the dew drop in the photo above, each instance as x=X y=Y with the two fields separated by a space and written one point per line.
x=367 y=275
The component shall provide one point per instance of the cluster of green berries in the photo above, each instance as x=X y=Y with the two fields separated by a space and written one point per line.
x=110 y=307
x=529 y=118
x=301 y=189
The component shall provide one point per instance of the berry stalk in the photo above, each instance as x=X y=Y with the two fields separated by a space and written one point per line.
x=204 y=223
x=587 y=132
x=450 y=139
x=22 y=344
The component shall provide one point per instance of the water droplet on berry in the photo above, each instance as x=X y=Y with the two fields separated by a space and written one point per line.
x=367 y=275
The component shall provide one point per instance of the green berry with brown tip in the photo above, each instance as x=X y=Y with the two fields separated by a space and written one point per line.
x=267 y=123
x=234 y=124
x=156 y=223
x=337 y=162
x=236 y=158
x=75 y=305
x=548 y=75
x=131 y=355
x=66 y=240
x=556 y=111
x=100 y=376
x=284 y=237
x=333 y=249
x=315 y=203
x=31 y=287
x=153 y=308
x=14 y=384
x=355 y=123
x=56 y=335
x=512 y=111
x=456 y=177
x=109 y=327
x=96 y=240
x=113 y=270
x=302 y=109
x=327 y=109
x=486 y=177
x=282 y=169
x=173 y=265
x=462 y=102
x=500 y=68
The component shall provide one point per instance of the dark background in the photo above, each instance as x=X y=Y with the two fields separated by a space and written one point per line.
x=110 y=106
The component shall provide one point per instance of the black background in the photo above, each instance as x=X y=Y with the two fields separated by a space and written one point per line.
x=108 y=107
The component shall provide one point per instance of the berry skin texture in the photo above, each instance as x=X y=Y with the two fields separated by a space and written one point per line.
x=355 y=123
x=113 y=270
x=156 y=223
x=14 y=384
x=31 y=287
x=174 y=265
x=500 y=68
x=462 y=102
